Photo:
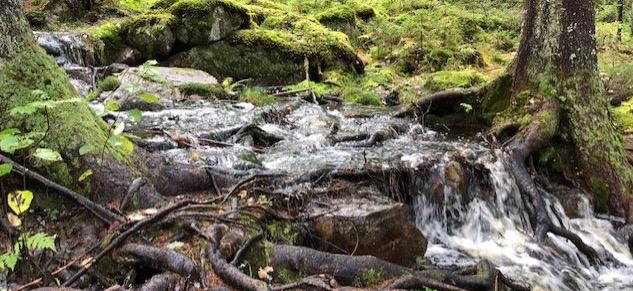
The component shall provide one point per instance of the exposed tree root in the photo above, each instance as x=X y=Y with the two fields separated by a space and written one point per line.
x=525 y=143
x=160 y=282
x=348 y=269
x=161 y=259
x=440 y=101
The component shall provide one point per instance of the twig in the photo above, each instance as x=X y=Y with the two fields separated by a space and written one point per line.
x=101 y=212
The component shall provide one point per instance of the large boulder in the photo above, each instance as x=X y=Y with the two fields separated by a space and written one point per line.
x=161 y=82
x=376 y=227
x=202 y=22
x=274 y=56
x=151 y=34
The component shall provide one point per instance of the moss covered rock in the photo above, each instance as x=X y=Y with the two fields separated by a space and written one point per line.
x=202 y=22
x=151 y=34
x=273 y=56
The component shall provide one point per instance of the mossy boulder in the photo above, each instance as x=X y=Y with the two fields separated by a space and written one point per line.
x=240 y=61
x=272 y=56
x=202 y=22
x=151 y=34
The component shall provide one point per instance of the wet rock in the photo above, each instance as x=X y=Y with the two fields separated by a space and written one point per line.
x=206 y=21
x=454 y=173
x=380 y=228
x=68 y=47
x=158 y=81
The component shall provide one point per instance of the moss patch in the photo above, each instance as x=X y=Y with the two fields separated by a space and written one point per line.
x=110 y=83
x=454 y=79
x=204 y=90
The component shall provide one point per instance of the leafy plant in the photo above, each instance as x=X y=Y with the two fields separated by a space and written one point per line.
x=20 y=202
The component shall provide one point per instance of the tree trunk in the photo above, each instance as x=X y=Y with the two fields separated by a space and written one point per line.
x=25 y=67
x=620 y=19
x=558 y=92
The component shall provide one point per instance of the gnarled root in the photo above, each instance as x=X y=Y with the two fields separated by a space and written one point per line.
x=347 y=269
x=439 y=101
x=526 y=142
x=161 y=259
x=165 y=281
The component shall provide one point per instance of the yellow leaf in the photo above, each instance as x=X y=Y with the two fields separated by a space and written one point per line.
x=14 y=220
x=263 y=273
x=86 y=262
x=20 y=201
x=85 y=175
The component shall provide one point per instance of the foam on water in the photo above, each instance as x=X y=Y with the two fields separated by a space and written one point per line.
x=499 y=232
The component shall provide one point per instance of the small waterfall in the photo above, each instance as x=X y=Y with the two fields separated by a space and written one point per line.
x=497 y=229
x=69 y=49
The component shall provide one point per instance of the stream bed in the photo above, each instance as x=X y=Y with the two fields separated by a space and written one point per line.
x=481 y=216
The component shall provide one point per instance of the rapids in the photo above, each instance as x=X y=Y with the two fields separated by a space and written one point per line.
x=485 y=219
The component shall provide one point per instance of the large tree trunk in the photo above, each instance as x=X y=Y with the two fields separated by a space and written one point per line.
x=558 y=92
x=25 y=67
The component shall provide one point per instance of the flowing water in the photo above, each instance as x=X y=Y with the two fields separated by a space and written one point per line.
x=481 y=216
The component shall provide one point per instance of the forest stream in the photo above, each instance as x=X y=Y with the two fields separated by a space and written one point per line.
x=463 y=197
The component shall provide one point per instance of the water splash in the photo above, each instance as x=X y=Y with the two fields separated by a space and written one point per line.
x=498 y=230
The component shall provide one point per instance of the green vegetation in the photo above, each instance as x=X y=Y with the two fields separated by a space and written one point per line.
x=369 y=278
x=255 y=96
x=110 y=83
x=204 y=90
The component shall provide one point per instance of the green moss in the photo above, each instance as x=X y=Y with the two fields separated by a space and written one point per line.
x=110 y=83
x=282 y=232
x=286 y=276
x=623 y=115
x=108 y=37
x=340 y=13
x=361 y=97
x=150 y=34
x=319 y=89
x=72 y=124
x=205 y=90
x=369 y=277
x=256 y=97
x=454 y=79
x=202 y=22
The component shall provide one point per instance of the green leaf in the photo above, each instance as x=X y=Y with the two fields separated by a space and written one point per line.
x=149 y=98
x=11 y=143
x=20 y=201
x=40 y=241
x=85 y=175
x=112 y=106
x=47 y=155
x=85 y=149
x=132 y=88
x=9 y=260
x=5 y=169
x=135 y=115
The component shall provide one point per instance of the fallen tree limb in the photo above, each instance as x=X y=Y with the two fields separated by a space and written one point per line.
x=101 y=212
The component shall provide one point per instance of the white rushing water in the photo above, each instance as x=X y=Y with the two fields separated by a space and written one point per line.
x=498 y=230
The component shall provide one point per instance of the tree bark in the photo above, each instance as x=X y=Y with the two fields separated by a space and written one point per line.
x=556 y=67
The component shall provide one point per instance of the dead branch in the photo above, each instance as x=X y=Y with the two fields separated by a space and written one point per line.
x=101 y=212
